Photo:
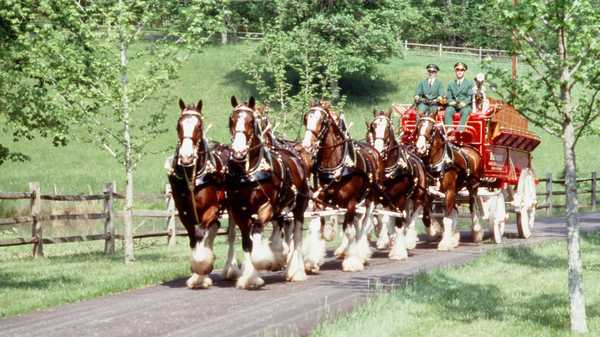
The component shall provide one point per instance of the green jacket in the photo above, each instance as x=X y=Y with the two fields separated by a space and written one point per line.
x=464 y=93
x=430 y=92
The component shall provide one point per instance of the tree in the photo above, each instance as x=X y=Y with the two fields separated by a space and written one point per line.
x=311 y=45
x=558 y=41
x=46 y=59
x=141 y=45
x=99 y=64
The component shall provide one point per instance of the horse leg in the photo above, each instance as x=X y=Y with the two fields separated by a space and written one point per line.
x=295 y=270
x=475 y=208
x=398 y=250
x=314 y=248
x=329 y=228
x=278 y=246
x=202 y=257
x=364 y=249
x=411 y=212
x=262 y=255
x=341 y=251
x=231 y=270
x=249 y=278
x=352 y=260
x=383 y=237
x=449 y=237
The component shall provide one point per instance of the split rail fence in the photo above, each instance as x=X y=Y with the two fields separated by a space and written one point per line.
x=552 y=189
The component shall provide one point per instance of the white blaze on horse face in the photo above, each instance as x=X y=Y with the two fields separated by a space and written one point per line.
x=239 y=140
x=380 y=127
x=186 y=151
x=311 y=127
x=421 y=141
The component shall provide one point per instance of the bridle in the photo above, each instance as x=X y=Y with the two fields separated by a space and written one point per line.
x=196 y=144
x=386 y=140
x=423 y=125
x=242 y=110
x=326 y=120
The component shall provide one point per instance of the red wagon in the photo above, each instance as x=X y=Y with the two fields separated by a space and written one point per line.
x=501 y=136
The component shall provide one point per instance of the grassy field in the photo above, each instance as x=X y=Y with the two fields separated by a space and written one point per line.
x=214 y=76
x=508 y=292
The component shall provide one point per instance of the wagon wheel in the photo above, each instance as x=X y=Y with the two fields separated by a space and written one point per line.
x=525 y=203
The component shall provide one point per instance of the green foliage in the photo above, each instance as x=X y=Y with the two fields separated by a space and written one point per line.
x=311 y=45
x=60 y=65
x=559 y=86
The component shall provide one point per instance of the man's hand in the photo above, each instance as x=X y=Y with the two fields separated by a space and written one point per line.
x=452 y=103
x=461 y=105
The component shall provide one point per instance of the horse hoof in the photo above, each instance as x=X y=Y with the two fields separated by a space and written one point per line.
x=445 y=245
x=352 y=264
x=197 y=281
x=477 y=236
x=250 y=283
x=383 y=244
x=296 y=277
x=231 y=272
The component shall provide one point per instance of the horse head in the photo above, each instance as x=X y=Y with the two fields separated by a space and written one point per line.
x=317 y=121
x=380 y=133
x=426 y=132
x=189 y=132
x=243 y=126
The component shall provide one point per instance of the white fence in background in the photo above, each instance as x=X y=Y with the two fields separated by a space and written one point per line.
x=418 y=48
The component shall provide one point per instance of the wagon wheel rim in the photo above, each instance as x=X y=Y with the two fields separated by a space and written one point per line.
x=525 y=203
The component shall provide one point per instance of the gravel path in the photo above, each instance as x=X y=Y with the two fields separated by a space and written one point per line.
x=278 y=309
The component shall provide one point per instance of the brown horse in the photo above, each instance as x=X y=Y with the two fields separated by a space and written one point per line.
x=345 y=173
x=264 y=184
x=405 y=186
x=452 y=168
x=197 y=178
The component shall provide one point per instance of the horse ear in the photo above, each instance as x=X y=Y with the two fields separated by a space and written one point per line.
x=234 y=101
x=374 y=112
x=311 y=103
x=252 y=103
x=199 y=106
x=181 y=104
x=367 y=125
x=388 y=113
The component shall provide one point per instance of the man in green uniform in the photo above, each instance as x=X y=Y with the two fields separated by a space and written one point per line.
x=429 y=92
x=460 y=96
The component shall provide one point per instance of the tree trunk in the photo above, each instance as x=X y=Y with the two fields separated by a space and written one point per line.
x=128 y=211
x=577 y=298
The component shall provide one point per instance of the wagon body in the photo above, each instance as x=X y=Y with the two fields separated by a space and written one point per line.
x=500 y=134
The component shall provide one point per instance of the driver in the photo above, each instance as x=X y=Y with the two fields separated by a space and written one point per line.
x=429 y=92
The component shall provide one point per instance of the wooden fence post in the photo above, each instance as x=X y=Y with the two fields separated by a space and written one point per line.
x=480 y=54
x=36 y=227
x=109 y=225
x=171 y=224
x=405 y=45
x=440 y=49
x=549 y=194
x=594 y=191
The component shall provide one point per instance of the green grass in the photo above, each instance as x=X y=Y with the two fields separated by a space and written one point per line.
x=78 y=271
x=509 y=292
x=214 y=76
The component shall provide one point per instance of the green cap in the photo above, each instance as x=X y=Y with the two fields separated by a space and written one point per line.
x=461 y=65
x=432 y=66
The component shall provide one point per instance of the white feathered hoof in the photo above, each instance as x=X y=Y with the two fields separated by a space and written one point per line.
x=197 y=281
x=295 y=271
x=477 y=233
x=411 y=238
x=398 y=254
x=434 y=231
x=263 y=257
x=383 y=242
x=456 y=239
x=314 y=255
x=446 y=244
x=352 y=264
x=496 y=233
x=231 y=271
x=364 y=249
x=250 y=282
